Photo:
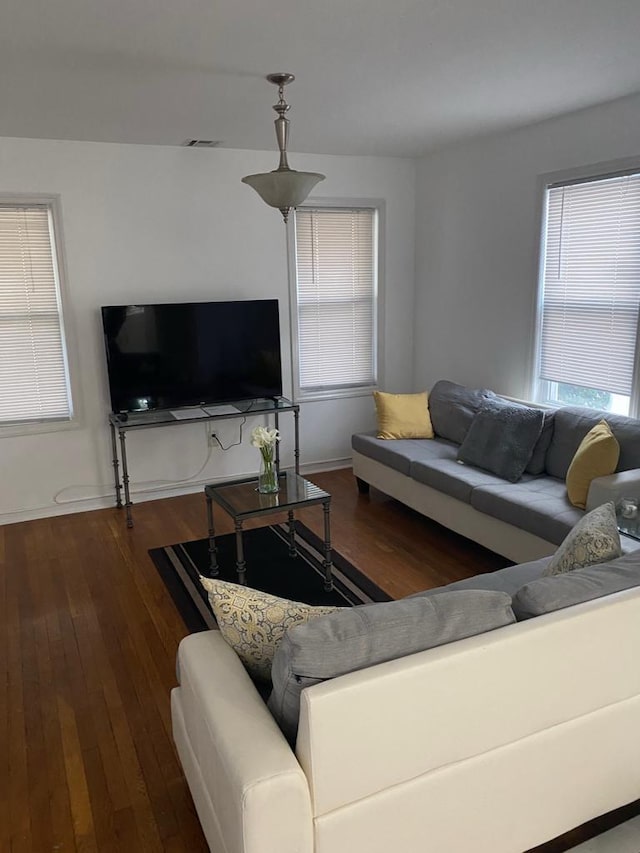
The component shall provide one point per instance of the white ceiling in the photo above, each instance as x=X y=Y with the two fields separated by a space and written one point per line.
x=373 y=76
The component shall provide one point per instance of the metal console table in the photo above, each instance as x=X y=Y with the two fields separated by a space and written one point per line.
x=121 y=424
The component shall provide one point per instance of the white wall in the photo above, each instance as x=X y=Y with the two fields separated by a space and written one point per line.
x=147 y=224
x=478 y=211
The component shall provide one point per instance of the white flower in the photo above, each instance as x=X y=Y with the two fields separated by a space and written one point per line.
x=263 y=437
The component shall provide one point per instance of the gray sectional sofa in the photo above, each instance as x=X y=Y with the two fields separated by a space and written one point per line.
x=524 y=520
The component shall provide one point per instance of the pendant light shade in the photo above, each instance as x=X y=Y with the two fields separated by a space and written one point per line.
x=283 y=188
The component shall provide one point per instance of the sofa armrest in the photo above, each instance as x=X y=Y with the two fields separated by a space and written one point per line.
x=624 y=484
x=249 y=789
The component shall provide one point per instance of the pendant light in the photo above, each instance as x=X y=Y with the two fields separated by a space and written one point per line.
x=283 y=188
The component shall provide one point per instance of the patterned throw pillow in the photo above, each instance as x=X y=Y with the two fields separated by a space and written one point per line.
x=254 y=622
x=594 y=539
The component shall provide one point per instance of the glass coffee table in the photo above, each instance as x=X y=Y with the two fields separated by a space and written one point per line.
x=242 y=500
x=629 y=526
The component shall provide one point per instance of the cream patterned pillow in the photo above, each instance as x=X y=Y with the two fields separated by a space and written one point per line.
x=254 y=622
x=594 y=539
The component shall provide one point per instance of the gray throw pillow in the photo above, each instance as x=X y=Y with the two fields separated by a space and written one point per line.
x=501 y=438
x=359 y=637
x=594 y=539
x=548 y=594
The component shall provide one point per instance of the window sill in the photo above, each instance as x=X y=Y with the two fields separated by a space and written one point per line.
x=37 y=428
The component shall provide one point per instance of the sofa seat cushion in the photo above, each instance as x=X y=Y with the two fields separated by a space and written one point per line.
x=454 y=478
x=572 y=423
x=538 y=505
x=364 y=636
x=400 y=453
x=556 y=592
x=508 y=580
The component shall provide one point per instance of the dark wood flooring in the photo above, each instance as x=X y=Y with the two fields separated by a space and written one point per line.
x=89 y=638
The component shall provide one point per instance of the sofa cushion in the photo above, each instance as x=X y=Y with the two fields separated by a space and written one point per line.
x=401 y=453
x=453 y=407
x=558 y=591
x=596 y=456
x=536 y=464
x=536 y=504
x=452 y=477
x=359 y=637
x=402 y=415
x=509 y=579
x=501 y=438
x=572 y=423
x=254 y=622
x=594 y=539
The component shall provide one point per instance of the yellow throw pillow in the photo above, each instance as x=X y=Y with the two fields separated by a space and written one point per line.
x=403 y=415
x=254 y=622
x=596 y=456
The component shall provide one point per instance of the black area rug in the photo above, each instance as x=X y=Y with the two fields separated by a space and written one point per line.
x=269 y=568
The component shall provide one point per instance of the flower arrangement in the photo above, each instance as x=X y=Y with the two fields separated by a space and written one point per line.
x=265 y=440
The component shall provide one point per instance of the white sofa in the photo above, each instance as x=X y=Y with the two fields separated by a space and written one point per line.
x=494 y=744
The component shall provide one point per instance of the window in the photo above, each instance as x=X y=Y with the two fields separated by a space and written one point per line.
x=335 y=321
x=590 y=294
x=34 y=378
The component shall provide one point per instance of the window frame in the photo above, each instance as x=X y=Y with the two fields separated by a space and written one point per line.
x=67 y=325
x=576 y=175
x=378 y=206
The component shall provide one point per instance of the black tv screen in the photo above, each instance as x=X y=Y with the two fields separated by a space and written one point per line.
x=186 y=354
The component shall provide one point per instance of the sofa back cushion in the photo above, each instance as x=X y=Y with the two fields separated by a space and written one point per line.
x=572 y=423
x=359 y=637
x=452 y=408
x=556 y=592
x=537 y=462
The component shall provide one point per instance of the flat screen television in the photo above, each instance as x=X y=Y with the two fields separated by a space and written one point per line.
x=186 y=354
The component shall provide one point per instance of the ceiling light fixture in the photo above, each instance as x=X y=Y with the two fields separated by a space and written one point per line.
x=283 y=188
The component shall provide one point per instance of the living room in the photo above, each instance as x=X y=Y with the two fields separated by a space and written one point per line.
x=145 y=219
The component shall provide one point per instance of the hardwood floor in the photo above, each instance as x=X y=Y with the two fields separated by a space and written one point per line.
x=88 y=652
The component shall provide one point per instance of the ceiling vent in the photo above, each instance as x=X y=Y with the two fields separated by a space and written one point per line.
x=201 y=143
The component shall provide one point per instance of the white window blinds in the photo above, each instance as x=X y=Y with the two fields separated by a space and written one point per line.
x=33 y=367
x=591 y=284
x=336 y=298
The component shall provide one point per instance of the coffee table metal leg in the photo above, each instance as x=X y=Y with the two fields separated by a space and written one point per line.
x=293 y=551
x=213 y=551
x=328 y=564
x=240 y=563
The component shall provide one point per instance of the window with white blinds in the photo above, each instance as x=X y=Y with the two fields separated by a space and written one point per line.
x=34 y=381
x=336 y=298
x=590 y=292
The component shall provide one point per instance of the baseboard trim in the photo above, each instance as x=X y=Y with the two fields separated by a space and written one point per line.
x=150 y=494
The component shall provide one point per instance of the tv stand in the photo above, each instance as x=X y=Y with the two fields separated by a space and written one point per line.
x=121 y=422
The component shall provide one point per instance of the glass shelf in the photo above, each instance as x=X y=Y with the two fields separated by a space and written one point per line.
x=190 y=414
